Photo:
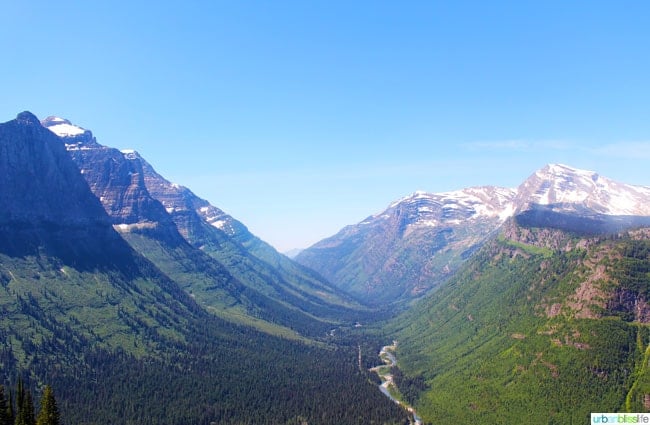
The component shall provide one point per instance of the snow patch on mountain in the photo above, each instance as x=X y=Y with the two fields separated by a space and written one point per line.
x=451 y=208
x=567 y=189
x=556 y=187
x=62 y=127
x=130 y=154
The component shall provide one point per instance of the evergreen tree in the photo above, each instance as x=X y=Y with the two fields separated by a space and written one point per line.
x=49 y=413
x=24 y=406
x=5 y=419
x=30 y=419
x=10 y=410
x=20 y=402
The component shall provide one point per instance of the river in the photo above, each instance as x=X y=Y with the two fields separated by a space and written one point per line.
x=387 y=355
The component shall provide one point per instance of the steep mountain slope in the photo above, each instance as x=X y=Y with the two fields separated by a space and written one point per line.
x=420 y=240
x=232 y=244
x=413 y=245
x=151 y=213
x=540 y=324
x=563 y=189
x=118 y=340
x=64 y=270
x=32 y=219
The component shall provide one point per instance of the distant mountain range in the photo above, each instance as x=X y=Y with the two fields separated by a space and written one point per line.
x=420 y=240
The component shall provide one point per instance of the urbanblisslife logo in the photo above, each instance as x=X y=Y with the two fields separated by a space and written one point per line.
x=620 y=418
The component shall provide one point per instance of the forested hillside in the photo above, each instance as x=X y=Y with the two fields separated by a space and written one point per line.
x=540 y=324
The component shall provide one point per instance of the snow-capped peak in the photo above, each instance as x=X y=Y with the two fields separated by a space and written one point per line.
x=565 y=188
x=555 y=187
x=452 y=208
x=62 y=127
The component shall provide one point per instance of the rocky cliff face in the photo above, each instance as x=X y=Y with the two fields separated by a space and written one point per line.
x=115 y=180
x=567 y=198
x=189 y=212
x=561 y=188
x=47 y=206
x=38 y=182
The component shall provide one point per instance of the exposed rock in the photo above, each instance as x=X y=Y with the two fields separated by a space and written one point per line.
x=47 y=206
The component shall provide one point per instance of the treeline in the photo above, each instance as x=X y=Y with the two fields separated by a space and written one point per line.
x=17 y=408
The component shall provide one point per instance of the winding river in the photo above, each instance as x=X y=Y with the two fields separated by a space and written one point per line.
x=387 y=355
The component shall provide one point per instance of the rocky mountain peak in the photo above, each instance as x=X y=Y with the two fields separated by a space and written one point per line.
x=62 y=127
x=27 y=117
x=420 y=239
x=452 y=208
x=75 y=137
x=47 y=206
x=561 y=188
x=46 y=185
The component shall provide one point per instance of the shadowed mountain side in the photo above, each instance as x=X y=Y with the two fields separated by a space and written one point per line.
x=163 y=222
x=231 y=243
x=47 y=208
x=586 y=223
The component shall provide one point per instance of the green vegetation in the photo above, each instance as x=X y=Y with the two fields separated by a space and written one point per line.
x=515 y=334
x=137 y=350
x=527 y=248
x=49 y=411
x=24 y=408
x=232 y=285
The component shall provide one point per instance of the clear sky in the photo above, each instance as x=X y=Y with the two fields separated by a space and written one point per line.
x=301 y=117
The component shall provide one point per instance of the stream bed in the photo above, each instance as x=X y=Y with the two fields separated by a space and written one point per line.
x=387 y=355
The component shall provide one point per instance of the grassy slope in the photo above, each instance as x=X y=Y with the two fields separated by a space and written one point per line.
x=489 y=351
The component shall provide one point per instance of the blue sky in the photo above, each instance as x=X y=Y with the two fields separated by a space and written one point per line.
x=300 y=117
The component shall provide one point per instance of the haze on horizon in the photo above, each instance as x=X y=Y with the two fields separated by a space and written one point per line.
x=299 y=118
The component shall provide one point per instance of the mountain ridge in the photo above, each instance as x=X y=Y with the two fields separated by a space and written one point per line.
x=417 y=241
x=225 y=267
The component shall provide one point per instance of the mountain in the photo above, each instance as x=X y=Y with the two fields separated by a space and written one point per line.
x=210 y=254
x=413 y=245
x=118 y=339
x=580 y=200
x=420 y=240
x=566 y=189
x=293 y=253
x=540 y=323
x=65 y=221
